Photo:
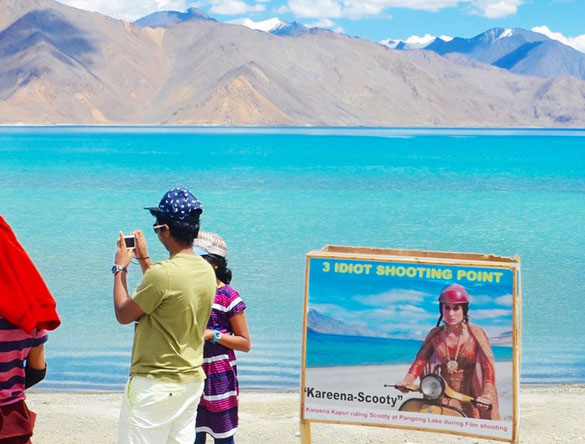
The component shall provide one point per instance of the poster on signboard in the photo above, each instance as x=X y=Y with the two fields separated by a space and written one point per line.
x=410 y=339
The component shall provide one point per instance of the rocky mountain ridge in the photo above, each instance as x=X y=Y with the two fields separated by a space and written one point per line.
x=61 y=65
x=515 y=50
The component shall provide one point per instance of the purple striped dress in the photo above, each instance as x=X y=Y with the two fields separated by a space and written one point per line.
x=15 y=344
x=217 y=413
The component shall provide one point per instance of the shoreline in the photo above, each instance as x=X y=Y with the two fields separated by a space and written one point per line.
x=548 y=414
x=38 y=391
x=471 y=129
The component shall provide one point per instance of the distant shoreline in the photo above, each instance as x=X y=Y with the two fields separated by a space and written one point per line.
x=470 y=129
x=509 y=361
x=531 y=385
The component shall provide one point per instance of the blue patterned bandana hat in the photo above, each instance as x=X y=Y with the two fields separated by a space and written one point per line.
x=177 y=203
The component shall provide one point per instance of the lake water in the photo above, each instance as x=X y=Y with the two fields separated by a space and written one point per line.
x=276 y=194
x=327 y=350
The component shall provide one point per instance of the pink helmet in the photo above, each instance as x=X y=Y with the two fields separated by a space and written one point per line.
x=454 y=294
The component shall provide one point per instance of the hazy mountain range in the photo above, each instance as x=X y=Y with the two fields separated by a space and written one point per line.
x=274 y=26
x=166 y=19
x=63 y=65
x=320 y=323
x=516 y=50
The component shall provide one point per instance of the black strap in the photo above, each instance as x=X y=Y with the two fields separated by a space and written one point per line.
x=34 y=375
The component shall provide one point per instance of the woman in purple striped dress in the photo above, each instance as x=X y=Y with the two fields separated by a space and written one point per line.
x=227 y=330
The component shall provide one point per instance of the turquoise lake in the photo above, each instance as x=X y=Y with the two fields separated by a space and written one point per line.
x=276 y=194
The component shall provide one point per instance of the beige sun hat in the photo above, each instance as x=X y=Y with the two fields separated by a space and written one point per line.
x=210 y=243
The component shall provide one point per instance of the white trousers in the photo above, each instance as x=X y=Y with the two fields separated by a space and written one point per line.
x=157 y=412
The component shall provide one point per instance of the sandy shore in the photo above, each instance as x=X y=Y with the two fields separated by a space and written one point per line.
x=547 y=415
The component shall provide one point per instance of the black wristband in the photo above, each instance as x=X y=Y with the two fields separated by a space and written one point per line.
x=33 y=376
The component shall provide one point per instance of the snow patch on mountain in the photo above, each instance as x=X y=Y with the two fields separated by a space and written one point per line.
x=413 y=42
x=264 y=25
x=506 y=33
x=273 y=26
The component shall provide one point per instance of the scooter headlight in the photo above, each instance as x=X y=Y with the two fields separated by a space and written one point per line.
x=432 y=386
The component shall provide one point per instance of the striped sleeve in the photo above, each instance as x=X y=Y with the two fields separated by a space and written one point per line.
x=40 y=337
x=15 y=345
x=234 y=304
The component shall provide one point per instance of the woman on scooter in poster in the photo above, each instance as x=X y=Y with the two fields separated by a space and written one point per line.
x=460 y=353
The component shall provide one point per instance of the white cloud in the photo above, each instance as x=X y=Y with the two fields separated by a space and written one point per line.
x=480 y=300
x=496 y=8
x=412 y=309
x=348 y=317
x=233 y=7
x=325 y=23
x=490 y=314
x=506 y=300
x=424 y=5
x=322 y=23
x=363 y=9
x=391 y=297
x=315 y=8
x=370 y=8
x=575 y=42
x=131 y=10
x=126 y=9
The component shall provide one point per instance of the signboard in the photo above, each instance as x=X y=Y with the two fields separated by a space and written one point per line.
x=374 y=330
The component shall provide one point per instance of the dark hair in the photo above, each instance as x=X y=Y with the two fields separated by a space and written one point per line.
x=183 y=231
x=465 y=308
x=222 y=272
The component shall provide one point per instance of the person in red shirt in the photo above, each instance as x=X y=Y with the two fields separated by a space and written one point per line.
x=27 y=310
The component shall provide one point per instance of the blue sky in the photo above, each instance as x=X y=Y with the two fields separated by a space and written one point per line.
x=379 y=19
x=402 y=306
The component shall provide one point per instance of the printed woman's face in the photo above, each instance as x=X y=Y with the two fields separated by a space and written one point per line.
x=452 y=313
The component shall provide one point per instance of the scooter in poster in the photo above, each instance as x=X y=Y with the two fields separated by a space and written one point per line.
x=434 y=390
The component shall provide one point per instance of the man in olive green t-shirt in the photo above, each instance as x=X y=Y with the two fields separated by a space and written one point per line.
x=171 y=305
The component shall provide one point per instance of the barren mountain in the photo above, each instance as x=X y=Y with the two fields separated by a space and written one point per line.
x=166 y=19
x=517 y=50
x=63 y=65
